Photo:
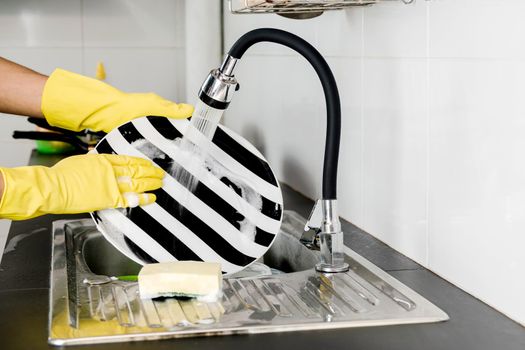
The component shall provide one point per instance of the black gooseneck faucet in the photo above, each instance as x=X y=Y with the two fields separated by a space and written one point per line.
x=217 y=91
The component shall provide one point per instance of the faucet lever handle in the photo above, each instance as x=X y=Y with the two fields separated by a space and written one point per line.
x=312 y=227
x=316 y=217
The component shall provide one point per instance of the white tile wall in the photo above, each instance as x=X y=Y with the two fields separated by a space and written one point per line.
x=349 y=76
x=391 y=30
x=395 y=137
x=477 y=194
x=129 y=23
x=203 y=43
x=45 y=59
x=30 y=23
x=238 y=25
x=331 y=23
x=159 y=70
x=433 y=125
x=477 y=28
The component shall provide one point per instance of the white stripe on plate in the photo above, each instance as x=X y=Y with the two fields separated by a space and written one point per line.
x=136 y=234
x=263 y=187
x=186 y=236
x=225 y=192
x=195 y=205
x=180 y=124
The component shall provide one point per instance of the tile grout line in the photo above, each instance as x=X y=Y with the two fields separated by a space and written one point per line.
x=82 y=44
x=427 y=112
x=100 y=47
x=362 y=122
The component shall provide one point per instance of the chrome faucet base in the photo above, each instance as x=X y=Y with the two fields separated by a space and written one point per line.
x=324 y=220
x=332 y=256
x=327 y=268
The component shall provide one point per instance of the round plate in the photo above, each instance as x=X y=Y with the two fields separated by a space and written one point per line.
x=230 y=212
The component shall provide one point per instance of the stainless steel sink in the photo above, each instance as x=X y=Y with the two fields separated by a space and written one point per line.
x=281 y=293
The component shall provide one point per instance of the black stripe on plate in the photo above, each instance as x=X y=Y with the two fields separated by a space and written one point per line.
x=164 y=127
x=204 y=193
x=161 y=234
x=128 y=134
x=215 y=202
x=208 y=235
x=271 y=209
x=96 y=217
x=262 y=237
x=104 y=147
x=142 y=255
x=256 y=165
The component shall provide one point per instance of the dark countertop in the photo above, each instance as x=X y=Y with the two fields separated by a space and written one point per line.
x=24 y=288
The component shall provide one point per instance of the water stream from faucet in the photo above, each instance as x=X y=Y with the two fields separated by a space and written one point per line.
x=204 y=121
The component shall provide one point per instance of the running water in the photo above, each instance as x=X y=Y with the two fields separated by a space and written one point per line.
x=203 y=122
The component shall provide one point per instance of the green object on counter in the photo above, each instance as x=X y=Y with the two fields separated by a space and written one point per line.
x=53 y=147
x=128 y=278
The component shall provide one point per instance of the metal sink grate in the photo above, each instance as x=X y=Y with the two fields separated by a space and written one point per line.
x=320 y=298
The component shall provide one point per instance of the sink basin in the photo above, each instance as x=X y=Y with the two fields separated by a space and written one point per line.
x=281 y=292
x=287 y=254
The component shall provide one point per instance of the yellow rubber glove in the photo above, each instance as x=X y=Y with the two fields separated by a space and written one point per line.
x=78 y=184
x=75 y=102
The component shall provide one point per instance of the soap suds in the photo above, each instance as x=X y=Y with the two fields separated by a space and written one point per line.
x=210 y=298
x=209 y=168
x=148 y=149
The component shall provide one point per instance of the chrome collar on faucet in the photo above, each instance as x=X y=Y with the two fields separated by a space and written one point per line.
x=218 y=88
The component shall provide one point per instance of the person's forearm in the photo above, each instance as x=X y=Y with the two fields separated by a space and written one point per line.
x=20 y=89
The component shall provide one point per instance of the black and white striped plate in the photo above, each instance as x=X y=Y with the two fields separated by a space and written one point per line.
x=232 y=216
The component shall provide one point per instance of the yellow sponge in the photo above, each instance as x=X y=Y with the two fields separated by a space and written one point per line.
x=198 y=279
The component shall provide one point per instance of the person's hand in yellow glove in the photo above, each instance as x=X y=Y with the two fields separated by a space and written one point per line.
x=78 y=184
x=72 y=101
x=75 y=102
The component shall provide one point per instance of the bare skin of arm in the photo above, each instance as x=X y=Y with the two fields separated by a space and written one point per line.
x=20 y=89
x=20 y=93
